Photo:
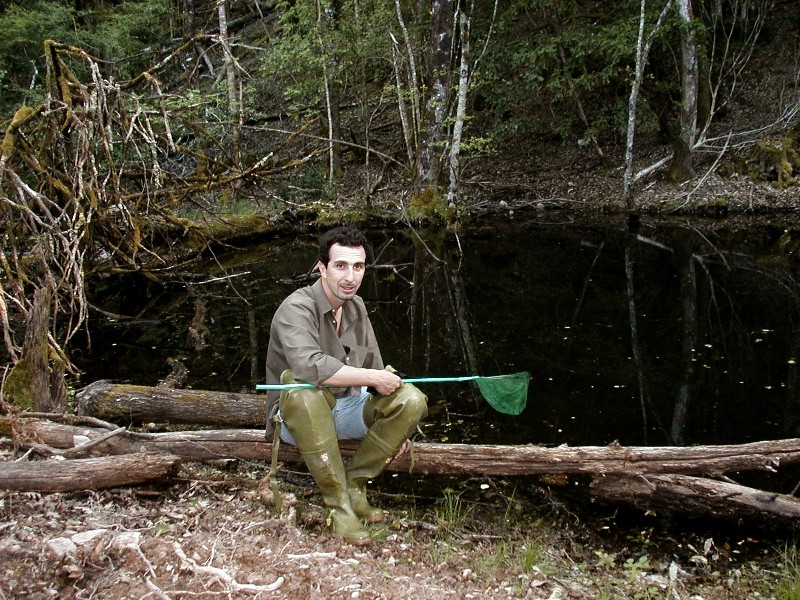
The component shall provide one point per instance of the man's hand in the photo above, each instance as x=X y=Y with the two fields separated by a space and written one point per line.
x=385 y=382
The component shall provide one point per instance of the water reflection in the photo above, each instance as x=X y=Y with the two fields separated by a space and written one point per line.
x=677 y=334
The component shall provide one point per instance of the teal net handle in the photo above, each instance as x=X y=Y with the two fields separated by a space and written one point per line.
x=295 y=386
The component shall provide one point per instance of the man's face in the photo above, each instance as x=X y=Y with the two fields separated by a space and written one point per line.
x=342 y=276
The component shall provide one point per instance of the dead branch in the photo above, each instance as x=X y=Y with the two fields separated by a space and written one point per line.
x=695 y=496
x=58 y=475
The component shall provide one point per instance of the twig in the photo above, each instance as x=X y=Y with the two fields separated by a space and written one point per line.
x=223 y=576
x=155 y=590
x=78 y=450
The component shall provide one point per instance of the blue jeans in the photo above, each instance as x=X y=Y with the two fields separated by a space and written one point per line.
x=348 y=419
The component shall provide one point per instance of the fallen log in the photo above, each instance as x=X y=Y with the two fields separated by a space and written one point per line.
x=425 y=457
x=143 y=404
x=695 y=496
x=643 y=476
x=58 y=475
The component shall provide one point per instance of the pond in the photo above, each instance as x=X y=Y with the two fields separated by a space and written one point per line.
x=679 y=333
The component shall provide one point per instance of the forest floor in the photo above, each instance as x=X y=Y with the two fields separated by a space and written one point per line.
x=208 y=534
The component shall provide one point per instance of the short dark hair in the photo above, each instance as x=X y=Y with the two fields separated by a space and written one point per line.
x=344 y=236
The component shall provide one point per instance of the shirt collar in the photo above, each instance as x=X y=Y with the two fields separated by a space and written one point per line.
x=325 y=306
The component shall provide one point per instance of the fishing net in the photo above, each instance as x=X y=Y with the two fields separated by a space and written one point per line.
x=507 y=394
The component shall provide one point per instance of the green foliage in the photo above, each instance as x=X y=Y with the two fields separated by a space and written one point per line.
x=113 y=34
x=351 y=49
x=788 y=587
x=564 y=52
x=21 y=47
x=521 y=557
x=452 y=513
x=126 y=33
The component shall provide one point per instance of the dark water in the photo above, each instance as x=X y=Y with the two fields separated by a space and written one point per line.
x=709 y=358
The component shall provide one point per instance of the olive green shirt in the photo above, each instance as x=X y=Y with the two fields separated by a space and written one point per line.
x=303 y=338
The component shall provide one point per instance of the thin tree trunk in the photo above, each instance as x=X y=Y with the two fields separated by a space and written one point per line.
x=409 y=134
x=188 y=20
x=232 y=77
x=461 y=109
x=642 y=52
x=411 y=127
x=326 y=22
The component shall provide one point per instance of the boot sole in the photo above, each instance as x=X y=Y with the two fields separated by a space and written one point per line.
x=351 y=541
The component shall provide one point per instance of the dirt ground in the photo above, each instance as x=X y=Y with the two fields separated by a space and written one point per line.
x=208 y=534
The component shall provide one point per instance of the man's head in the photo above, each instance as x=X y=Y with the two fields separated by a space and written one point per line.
x=342 y=263
x=344 y=236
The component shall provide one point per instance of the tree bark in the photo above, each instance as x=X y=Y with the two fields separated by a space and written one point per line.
x=427 y=458
x=681 y=169
x=142 y=404
x=432 y=135
x=642 y=52
x=461 y=109
x=695 y=496
x=87 y=473
x=234 y=84
x=649 y=478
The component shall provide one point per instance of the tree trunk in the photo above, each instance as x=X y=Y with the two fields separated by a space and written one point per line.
x=425 y=458
x=695 y=496
x=87 y=473
x=233 y=80
x=461 y=109
x=646 y=477
x=142 y=404
x=642 y=52
x=681 y=169
x=326 y=23
x=433 y=129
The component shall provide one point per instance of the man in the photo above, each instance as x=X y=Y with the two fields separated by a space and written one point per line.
x=321 y=334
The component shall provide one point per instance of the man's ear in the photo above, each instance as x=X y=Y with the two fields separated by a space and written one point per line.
x=323 y=270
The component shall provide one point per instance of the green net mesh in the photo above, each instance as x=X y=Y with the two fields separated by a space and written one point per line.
x=506 y=393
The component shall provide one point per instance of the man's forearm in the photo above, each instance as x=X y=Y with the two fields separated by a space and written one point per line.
x=348 y=376
x=385 y=382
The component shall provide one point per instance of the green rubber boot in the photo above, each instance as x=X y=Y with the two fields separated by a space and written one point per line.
x=307 y=414
x=390 y=419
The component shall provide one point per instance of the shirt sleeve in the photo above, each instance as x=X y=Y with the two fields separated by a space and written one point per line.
x=296 y=327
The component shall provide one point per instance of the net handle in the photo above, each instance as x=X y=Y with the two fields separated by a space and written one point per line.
x=294 y=386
